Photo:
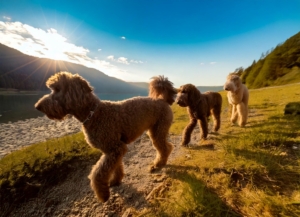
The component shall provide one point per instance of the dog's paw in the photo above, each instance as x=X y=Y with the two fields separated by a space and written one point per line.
x=184 y=145
x=115 y=183
x=203 y=138
x=103 y=195
x=154 y=168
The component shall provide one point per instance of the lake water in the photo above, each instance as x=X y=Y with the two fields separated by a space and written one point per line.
x=21 y=106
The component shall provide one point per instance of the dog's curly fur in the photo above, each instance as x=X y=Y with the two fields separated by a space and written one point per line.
x=109 y=126
x=200 y=107
x=238 y=97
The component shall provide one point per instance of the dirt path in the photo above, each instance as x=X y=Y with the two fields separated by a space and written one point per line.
x=74 y=197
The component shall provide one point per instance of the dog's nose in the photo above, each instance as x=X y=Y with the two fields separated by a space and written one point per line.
x=226 y=88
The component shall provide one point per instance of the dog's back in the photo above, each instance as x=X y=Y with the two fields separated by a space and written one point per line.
x=214 y=99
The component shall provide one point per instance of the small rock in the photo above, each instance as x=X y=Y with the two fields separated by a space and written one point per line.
x=188 y=156
x=127 y=212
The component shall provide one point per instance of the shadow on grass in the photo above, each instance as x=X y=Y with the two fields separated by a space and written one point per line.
x=206 y=201
x=278 y=173
x=208 y=147
x=293 y=121
x=281 y=129
x=263 y=106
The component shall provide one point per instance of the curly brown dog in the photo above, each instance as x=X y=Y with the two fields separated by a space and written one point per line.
x=238 y=97
x=109 y=126
x=200 y=107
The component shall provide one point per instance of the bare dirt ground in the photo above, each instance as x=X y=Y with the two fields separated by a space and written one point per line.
x=74 y=197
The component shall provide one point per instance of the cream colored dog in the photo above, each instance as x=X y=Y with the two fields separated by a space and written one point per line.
x=238 y=96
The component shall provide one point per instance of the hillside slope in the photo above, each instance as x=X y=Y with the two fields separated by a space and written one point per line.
x=280 y=66
x=24 y=72
x=202 y=89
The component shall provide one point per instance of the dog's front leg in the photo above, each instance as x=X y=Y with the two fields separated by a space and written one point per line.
x=234 y=114
x=186 y=136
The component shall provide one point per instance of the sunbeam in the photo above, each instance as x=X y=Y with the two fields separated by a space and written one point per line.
x=37 y=68
x=6 y=73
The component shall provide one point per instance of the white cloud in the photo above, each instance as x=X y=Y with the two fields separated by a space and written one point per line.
x=50 y=44
x=123 y=37
x=212 y=63
x=6 y=18
x=51 y=30
x=201 y=63
x=136 y=61
x=99 y=49
x=123 y=60
x=111 y=57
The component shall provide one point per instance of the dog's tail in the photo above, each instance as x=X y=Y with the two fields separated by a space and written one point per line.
x=161 y=87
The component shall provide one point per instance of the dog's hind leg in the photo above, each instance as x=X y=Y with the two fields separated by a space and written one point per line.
x=108 y=165
x=117 y=175
x=186 y=135
x=204 y=127
x=158 y=135
x=216 y=114
x=243 y=114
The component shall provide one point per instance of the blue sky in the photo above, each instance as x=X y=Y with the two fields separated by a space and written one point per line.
x=188 y=41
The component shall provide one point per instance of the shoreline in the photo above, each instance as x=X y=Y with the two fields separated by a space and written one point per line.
x=19 y=134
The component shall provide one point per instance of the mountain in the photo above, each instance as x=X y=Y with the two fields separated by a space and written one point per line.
x=202 y=89
x=24 y=72
x=209 y=88
x=140 y=84
x=278 y=67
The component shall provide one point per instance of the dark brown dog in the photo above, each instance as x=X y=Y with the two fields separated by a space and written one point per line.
x=110 y=126
x=200 y=107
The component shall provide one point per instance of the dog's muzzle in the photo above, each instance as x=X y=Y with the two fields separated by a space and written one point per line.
x=180 y=103
x=37 y=107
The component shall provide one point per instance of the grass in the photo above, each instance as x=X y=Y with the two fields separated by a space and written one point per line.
x=251 y=171
x=24 y=173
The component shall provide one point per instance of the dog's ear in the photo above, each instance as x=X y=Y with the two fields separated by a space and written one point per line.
x=237 y=81
x=82 y=84
x=193 y=93
x=56 y=81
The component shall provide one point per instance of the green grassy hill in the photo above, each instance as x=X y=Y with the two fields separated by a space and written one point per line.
x=251 y=171
x=278 y=67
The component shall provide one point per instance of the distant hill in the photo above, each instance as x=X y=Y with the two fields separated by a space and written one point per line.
x=201 y=88
x=277 y=67
x=140 y=84
x=209 y=88
x=24 y=72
